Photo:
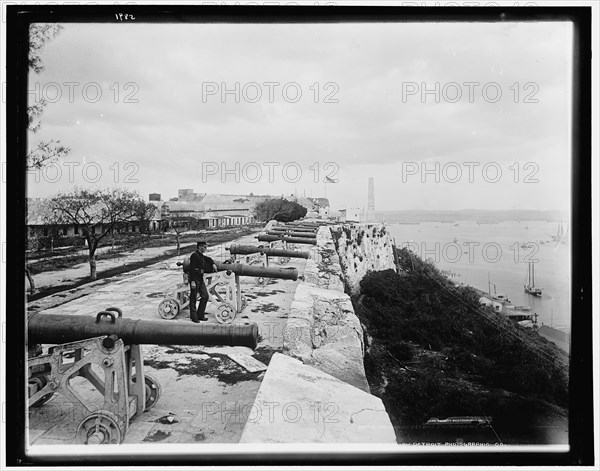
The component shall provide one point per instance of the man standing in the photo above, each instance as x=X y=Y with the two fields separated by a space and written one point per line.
x=198 y=262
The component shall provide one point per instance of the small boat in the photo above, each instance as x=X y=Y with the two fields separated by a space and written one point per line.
x=530 y=287
x=502 y=298
x=522 y=308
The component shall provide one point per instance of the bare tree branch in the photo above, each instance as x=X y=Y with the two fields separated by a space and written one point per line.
x=45 y=152
x=91 y=208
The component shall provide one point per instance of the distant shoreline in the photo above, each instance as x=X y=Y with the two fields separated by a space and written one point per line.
x=475 y=215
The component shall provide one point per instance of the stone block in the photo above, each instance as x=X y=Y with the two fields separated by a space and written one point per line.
x=298 y=403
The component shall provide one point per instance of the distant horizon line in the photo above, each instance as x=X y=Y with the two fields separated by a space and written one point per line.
x=471 y=209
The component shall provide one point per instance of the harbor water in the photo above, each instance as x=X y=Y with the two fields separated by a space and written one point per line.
x=472 y=253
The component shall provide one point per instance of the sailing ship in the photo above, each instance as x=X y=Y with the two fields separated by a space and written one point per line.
x=562 y=234
x=530 y=287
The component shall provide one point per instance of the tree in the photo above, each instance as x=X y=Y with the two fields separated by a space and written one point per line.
x=44 y=152
x=180 y=223
x=31 y=282
x=279 y=209
x=97 y=213
x=144 y=213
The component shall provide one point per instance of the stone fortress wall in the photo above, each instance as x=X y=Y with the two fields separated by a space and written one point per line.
x=323 y=347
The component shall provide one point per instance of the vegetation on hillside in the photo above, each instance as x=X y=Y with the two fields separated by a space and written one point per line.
x=433 y=351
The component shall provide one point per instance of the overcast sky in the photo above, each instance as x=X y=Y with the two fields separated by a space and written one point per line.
x=161 y=122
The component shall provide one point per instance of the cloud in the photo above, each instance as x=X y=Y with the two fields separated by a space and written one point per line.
x=173 y=96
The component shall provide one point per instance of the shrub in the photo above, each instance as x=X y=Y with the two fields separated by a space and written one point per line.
x=402 y=351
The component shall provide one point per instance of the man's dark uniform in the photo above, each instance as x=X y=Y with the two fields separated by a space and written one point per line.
x=197 y=263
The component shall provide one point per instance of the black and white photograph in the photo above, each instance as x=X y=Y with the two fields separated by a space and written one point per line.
x=291 y=232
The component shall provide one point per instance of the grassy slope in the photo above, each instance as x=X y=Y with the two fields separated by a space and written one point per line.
x=433 y=352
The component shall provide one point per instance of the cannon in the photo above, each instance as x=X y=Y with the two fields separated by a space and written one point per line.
x=222 y=292
x=261 y=274
x=307 y=225
x=223 y=287
x=287 y=240
x=308 y=235
x=292 y=229
x=260 y=255
x=105 y=350
x=254 y=254
x=248 y=270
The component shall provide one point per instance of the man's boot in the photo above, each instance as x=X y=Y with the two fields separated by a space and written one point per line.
x=201 y=309
x=193 y=313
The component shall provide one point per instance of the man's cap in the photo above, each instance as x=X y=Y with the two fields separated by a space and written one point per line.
x=202 y=242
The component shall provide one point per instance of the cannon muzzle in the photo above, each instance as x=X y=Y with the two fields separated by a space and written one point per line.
x=61 y=328
x=258 y=271
x=239 y=249
x=291 y=240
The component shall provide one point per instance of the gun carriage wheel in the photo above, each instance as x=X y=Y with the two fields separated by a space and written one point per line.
x=153 y=390
x=169 y=308
x=262 y=281
x=100 y=428
x=225 y=314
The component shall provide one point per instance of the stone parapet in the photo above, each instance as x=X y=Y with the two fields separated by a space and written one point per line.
x=298 y=403
x=322 y=329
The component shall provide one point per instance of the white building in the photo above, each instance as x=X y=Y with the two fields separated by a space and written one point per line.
x=351 y=214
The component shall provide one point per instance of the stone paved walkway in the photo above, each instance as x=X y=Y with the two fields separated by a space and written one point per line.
x=206 y=394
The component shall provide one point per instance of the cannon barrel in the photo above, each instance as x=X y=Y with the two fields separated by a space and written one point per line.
x=239 y=249
x=292 y=231
x=294 y=228
x=258 y=271
x=307 y=235
x=291 y=240
x=303 y=224
x=61 y=328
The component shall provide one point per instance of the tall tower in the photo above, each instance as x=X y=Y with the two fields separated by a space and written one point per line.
x=371 y=201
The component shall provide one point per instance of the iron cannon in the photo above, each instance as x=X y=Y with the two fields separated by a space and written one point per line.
x=239 y=249
x=105 y=350
x=257 y=271
x=224 y=288
x=307 y=235
x=293 y=229
x=249 y=270
x=61 y=328
x=289 y=240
